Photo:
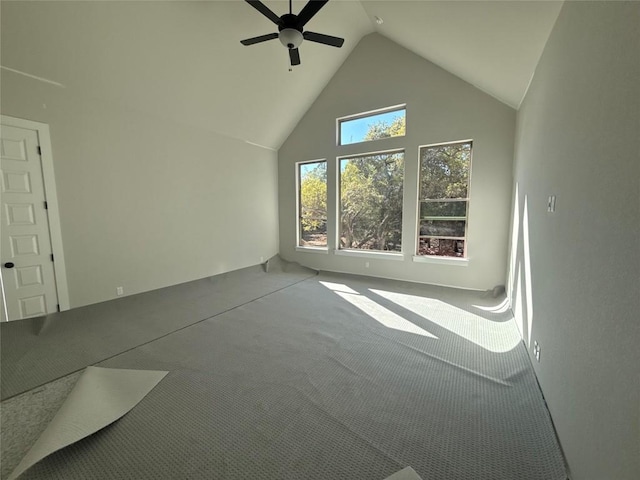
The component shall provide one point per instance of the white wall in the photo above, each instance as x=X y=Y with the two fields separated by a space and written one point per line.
x=147 y=202
x=577 y=271
x=440 y=108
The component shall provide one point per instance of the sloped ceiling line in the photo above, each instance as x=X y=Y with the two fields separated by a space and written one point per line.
x=184 y=60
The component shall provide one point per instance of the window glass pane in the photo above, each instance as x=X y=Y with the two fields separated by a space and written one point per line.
x=443 y=209
x=441 y=247
x=312 y=179
x=444 y=193
x=371 y=202
x=372 y=127
x=444 y=171
x=443 y=228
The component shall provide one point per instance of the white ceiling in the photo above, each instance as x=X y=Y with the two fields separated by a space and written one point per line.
x=494 y=45
x=184 y=61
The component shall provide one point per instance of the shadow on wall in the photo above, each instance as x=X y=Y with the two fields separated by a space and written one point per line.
x=519 y=285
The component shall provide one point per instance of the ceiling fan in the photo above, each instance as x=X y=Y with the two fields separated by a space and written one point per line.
x=290 y=28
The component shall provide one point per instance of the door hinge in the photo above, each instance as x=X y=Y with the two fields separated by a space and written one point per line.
x=46 y=205
x=52 y=257
x=39 y=150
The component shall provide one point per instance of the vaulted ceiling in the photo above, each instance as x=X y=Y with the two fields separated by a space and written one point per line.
x=183 y=60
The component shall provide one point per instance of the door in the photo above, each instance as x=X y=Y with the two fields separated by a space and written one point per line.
x=27 y=267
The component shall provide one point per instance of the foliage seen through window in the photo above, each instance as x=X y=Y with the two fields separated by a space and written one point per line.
x=372 y=127
x=371 y=202
x=312 y=178
x=444 y=199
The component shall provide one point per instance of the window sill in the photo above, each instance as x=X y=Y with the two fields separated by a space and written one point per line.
x=370 y=254
x=324 y=250
x=458 y=262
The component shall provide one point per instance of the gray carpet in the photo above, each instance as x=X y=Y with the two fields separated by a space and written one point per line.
x=303 y=384
x=39 y=350
x=24 y=417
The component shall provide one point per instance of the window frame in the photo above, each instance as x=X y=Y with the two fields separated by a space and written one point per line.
x=371 y=113
x=339 y=250
x=322 y=249
x=422 y=257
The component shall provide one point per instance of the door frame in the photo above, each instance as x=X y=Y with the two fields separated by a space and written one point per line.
x=51 y=196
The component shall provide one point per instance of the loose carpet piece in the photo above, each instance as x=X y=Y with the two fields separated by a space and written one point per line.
x=24 y=417
x=39 y=350
x=308 y=384
x=99 y=398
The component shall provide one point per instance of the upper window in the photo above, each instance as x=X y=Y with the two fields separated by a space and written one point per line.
x=444 y=199
x=312 y=204
x=365 y=127
x=371 y=201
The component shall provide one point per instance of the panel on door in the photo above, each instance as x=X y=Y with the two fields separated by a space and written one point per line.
x=27 y=264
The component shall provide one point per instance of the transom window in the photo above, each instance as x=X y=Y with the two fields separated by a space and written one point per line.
x=364 y=127
x=312 y=204
x=444 y=199
x=371 y=201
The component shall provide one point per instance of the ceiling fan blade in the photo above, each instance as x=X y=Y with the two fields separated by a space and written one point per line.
x=309 y=10
x=263 y=9
x=322 y=38
x=261 y=38
x=294 y=55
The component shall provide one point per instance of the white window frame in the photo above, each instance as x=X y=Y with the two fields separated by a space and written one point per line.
x=354 y=252
x=371 y=113
x=303 y=248
x=444 y=259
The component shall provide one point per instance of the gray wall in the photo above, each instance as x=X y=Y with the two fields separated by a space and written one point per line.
x=577 y=276
x=440 y=108
x=147 y=202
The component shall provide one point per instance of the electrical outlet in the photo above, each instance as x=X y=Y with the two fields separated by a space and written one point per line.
x=536 y=350
x=551 y=204
x=119 y=291
x=366 y=264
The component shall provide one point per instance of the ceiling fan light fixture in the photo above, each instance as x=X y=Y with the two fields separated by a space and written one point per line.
x=290 y=37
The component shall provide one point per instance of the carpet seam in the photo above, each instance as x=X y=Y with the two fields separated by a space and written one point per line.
x=160 y=337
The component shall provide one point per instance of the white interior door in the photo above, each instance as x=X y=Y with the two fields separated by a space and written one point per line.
x=27 y=267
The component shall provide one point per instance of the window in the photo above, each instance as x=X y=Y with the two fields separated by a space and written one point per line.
x=312 y=204
x=371 y=201
x=444 y=199
x=365 y=127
